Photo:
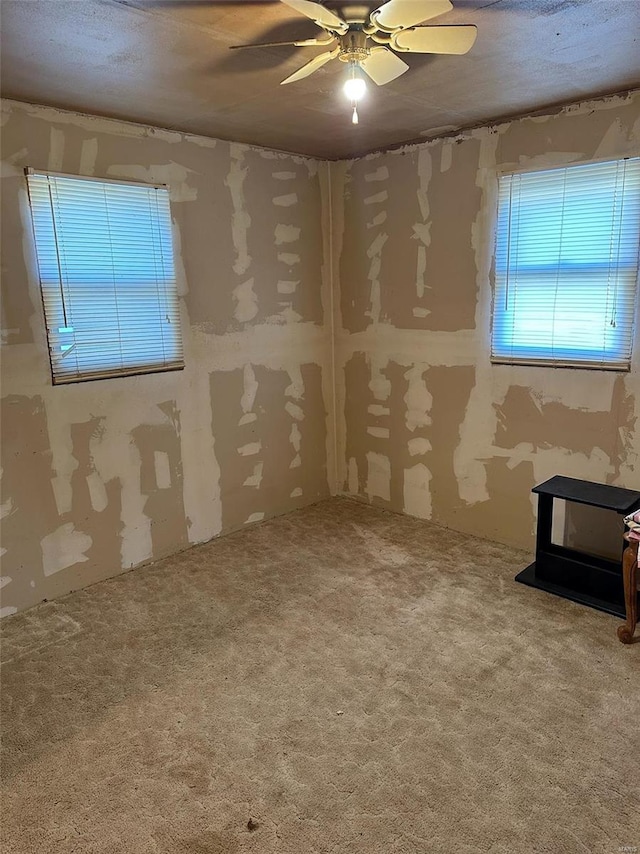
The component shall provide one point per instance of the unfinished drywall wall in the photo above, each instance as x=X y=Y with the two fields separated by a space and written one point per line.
x=426 y=424
x=336 y=321
x=102 y=476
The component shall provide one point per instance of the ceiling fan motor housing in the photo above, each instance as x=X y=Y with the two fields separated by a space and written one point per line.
x=353 y=46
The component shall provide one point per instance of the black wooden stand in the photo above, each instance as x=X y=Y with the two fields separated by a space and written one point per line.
x=590 y=580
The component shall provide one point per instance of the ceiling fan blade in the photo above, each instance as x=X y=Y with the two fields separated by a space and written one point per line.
x=311 y=66
x=383 y=66
x=327 y=39
x=453 y=40
x=397 y=14
x=320 y=14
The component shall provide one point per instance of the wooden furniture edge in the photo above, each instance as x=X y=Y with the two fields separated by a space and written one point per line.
x=630 y=582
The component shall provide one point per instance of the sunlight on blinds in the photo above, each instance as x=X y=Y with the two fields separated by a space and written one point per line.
x=566 y=266
x=105 y=259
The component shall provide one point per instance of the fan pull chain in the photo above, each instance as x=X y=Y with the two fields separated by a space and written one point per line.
x=354 y=116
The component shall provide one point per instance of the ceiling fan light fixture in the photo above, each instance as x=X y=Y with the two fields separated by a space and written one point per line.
x=355 y=86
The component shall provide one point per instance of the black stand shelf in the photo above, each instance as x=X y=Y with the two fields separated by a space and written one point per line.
x=584 y=578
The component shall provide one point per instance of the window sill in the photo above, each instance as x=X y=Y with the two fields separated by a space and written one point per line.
x=551 y=363
x=118 y=374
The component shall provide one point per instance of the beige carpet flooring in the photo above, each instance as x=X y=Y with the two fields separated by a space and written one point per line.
x=340 y=679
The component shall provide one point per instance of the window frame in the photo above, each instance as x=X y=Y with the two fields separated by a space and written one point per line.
x=554 y=362
x=119 y=372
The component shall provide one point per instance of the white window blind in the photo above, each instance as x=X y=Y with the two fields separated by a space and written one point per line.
x=566 y=266
x=105 y=259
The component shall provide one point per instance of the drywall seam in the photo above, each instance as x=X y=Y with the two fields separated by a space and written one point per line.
x=479 y=424
x=332 y=335
x=338 y=177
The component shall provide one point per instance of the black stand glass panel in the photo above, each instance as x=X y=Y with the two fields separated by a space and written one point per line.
x=581 y=577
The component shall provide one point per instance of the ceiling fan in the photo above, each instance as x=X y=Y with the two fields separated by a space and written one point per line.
x=366 y=40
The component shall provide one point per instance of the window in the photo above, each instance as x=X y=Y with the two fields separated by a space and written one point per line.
x=566 y=267
x=108 y=285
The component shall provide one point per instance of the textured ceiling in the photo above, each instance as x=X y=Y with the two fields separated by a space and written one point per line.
x=168 y=63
